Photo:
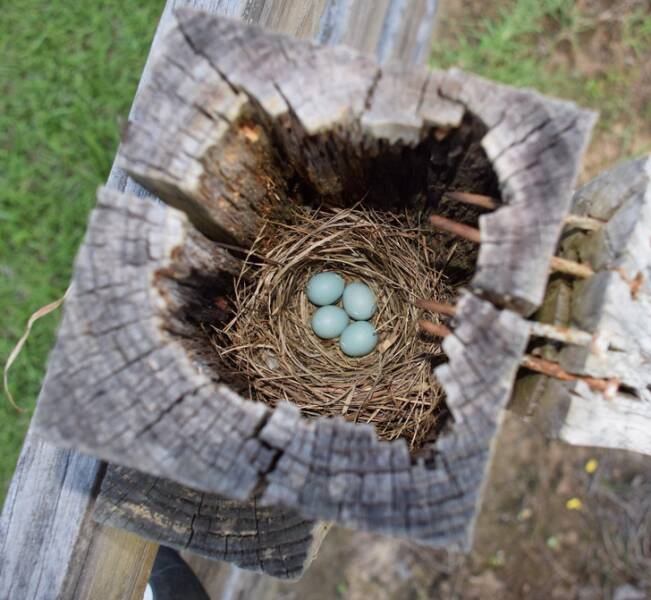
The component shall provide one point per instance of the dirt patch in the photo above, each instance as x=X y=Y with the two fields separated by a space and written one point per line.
x=529 y=544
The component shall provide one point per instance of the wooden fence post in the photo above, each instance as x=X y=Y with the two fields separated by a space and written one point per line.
x=230 y=115
x=530 y=146
x=44 y=543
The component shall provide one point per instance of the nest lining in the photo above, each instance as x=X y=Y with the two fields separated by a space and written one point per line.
x=269 y=344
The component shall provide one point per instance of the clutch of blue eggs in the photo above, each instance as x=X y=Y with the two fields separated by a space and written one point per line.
x=350 y=323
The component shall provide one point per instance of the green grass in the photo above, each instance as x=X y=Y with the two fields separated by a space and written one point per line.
x=68 y=71
x=554 y=46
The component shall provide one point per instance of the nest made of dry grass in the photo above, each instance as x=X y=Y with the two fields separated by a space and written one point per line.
x=270 y=345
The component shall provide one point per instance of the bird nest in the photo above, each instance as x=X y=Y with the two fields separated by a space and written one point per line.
x=269 y=344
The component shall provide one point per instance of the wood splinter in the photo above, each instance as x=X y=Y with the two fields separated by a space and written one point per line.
x=608 y=387
x=473 y=199
x=482 y=201
x=436 y=329
x=472 y=234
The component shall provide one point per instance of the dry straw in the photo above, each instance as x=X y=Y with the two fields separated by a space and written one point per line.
x=270 y=345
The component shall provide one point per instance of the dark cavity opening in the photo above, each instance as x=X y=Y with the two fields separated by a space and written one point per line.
x=274 y=166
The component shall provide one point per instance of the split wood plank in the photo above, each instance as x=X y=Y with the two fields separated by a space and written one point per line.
x=615 y=305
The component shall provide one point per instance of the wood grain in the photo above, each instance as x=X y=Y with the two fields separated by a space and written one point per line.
x=534 y=145
x=329 y=470
x=117 y=566
x=269 y=540
x=49 y=545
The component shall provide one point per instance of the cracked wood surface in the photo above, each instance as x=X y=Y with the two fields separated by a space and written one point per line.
x=54 y=535
x=341 y=472
x=386 y=29
x=243 y=104
x=277 y=542
x=184 y=423
x=184 y=426
x=534 y=144
x=224 y=75
x=614 y=305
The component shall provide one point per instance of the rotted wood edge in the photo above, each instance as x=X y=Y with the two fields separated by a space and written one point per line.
x=534 y=143
x=199 y=433
x=403 y=37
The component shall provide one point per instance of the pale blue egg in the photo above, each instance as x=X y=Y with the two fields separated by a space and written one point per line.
x=329 y=321
x=325 y=288
x=358 y=339
x=359 y=301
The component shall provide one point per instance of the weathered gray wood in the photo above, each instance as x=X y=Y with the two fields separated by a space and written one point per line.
x=390 y=30
x=615 y=306
x=582 y=417
x=129 y=245
x=144 y=271
x=49 y=545
x=341 y=472
x=274 y=541
x=404 y=101
x=384 y=30
x=42 y=478
x=535 y=145
x=184 y=426
x=616 y=302
x=367 y=26
x=127 y=338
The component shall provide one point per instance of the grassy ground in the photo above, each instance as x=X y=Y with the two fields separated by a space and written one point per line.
x=592 y=51
x=68 y=71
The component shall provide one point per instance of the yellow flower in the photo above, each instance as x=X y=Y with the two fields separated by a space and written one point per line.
x=591 y=465
x=574 y=504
